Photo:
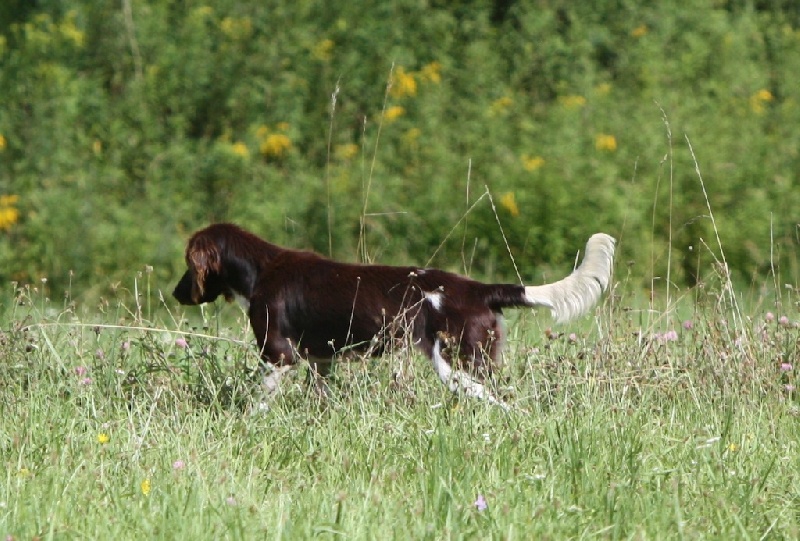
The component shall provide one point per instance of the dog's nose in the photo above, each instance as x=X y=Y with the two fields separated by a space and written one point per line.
x=183 y=291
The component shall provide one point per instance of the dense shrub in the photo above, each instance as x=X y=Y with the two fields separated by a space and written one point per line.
x=126 y=125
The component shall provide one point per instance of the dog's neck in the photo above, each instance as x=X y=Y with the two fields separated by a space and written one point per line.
x=243 y=260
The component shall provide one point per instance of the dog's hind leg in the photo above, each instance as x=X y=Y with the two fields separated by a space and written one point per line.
x=460 y=381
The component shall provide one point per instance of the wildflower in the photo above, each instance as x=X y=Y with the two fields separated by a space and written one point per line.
x=230 y=500
x=431 y=72
x=81 y=371
x=769 y=317
x=275 y=145
x=732 y=447
x=393 y=113
x=97 y=147
x=670 y=336
x=3 y=142
x=99 y=354
x=346 y=152
x=103 y=438
x=759 y=99
x=145 y=486
x=282 y=126
x=573 y=337
x=203 y=11
x=639 y=31
x=572 y=102
x=71 y=32
x=786 y=367
x=783 y=321
x=509 y=202
x=8 y=212
x=241 y=150
x=411 y=136
x=500 y=105
x=605 y=142
x=603 y=89
x=126 y=345
x=178 y=465
x=86 y=381
x=788 y=387
x=480 y=503
x=322 y=50
x=402 y=84
x=181 y=342
x=236 y=28
x=688 y=325
x=532 y=164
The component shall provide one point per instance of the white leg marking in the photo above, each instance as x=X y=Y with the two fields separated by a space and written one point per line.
x=461 y=381
x=436 y=298
x=270 y=385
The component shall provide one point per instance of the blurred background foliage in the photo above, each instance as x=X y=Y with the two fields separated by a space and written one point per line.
x=366 y=131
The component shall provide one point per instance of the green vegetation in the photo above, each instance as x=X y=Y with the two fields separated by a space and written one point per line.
x=406 y=131
x=644 y=426
x=127 y=125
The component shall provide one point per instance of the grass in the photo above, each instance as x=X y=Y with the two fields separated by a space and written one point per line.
x=131 y=428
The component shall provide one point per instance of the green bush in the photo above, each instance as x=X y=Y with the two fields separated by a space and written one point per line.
x=124 y=130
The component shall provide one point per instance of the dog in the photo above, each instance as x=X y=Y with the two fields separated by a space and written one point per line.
x=303 y=305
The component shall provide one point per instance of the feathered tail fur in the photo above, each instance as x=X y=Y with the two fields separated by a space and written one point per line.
x=577 y=293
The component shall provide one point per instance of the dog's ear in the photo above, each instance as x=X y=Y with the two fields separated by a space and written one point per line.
x=203 y=256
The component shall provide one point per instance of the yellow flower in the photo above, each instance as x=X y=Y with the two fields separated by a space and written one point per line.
x=145 y=486
x=403 y=84
x=236 y=28
x=572 y=102
x=3 y=142
x=262 y=132
x=509 y=202
x=603 y=89
x=346 y=152
x=103 y=438
x=323 y=50
x=532 y=164
x=23 y=473
x=605 y=142
x=70 y=31
x=241 y=150
x=639 y=31
x=732 y=447
x=393 y=113
x=275 y=145
x=500 y=105
x=758 y=100
x=411 y=136
x=431 y=72
x=9 y=215
x=282 y=126
x=97 y=147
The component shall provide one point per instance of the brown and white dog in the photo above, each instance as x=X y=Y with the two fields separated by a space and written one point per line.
x=301 y=304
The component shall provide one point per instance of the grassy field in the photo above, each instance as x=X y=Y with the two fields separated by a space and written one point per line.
x=644 y=424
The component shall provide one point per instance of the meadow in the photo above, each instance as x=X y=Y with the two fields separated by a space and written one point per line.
x=675 y=421
x=488 y=138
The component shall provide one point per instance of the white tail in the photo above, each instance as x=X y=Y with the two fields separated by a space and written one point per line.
x=577 y=293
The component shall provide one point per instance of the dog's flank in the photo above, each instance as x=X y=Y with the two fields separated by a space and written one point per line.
x=302 y=304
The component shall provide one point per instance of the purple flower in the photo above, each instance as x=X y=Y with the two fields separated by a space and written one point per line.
x=769 y=317
x=789 y=387
x=784 y=321
x=230 y=500
x=178 y=465
x=785 y=367
x=81 y=371
x=669 y=336
x=126 y=345
x=99 y=354
x=480 y=503
x=573 y=337
x=181 y=342
x=688 y=325
x=86 y=381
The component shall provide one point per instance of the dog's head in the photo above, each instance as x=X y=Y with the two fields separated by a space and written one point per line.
x=204 y=280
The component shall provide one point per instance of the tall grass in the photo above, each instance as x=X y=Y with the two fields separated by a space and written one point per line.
x=635 y=423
